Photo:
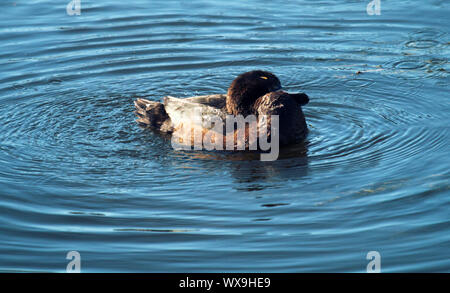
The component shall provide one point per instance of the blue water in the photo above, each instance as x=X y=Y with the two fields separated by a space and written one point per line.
x=77 y=173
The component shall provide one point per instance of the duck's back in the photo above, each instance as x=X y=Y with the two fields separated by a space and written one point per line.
x=195 y=110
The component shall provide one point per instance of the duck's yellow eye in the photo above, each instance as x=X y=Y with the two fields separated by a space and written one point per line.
x=263 y=77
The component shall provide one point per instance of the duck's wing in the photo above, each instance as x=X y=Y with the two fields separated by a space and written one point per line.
x=215 y=101
x=194 y=110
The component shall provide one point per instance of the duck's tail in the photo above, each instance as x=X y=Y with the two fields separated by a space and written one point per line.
x=152 y=114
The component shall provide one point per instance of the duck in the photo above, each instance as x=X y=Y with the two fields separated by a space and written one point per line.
x=255 y=93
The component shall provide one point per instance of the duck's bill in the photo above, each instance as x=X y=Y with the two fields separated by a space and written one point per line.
x=300 y=98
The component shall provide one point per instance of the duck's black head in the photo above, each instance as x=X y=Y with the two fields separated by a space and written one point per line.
x=247 y=88
x=292 y=124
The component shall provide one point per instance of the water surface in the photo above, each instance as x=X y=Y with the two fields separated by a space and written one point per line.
x=77 y=173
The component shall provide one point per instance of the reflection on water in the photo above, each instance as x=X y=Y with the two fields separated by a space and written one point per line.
x=77 y=173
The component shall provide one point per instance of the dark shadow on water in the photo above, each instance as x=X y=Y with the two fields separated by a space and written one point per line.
x=246 y=168
x=254 y=175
